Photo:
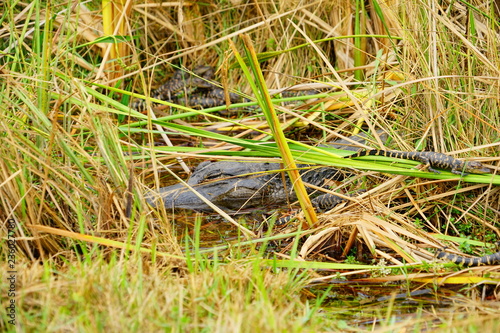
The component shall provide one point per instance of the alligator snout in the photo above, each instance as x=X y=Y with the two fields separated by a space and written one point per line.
x=230 y=195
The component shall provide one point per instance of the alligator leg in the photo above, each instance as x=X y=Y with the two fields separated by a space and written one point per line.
x=322 y=203
x=427 y=164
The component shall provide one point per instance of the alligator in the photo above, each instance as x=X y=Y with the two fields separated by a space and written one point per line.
x=194 y=89
x=431 y=160
x=490 y=259
x=233 y=186
x=199 y=90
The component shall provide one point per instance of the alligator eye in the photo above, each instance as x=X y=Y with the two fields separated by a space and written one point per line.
x=213 y=175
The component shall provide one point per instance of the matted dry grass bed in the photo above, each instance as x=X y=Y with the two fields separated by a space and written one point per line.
x=88 y=253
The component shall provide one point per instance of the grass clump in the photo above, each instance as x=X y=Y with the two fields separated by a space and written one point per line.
x=111 y=293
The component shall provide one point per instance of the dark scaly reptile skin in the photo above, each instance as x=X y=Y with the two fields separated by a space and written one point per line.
x=209 y=98
x=180 y=85
x=238 y=185
x=431 y=160
x=490 y=259
x=181 y=80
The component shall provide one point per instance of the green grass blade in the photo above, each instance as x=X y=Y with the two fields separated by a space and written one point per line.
x=264 y=99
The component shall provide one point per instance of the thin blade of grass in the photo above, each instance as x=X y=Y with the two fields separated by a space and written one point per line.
x=100 y=240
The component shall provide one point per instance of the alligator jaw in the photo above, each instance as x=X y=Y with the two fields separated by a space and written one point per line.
x=230 y=195
x=482 y=170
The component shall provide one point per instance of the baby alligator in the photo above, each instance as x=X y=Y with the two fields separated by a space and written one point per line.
x=198 y=90
x=490 y=259
x=431 y=160
x=188 y=89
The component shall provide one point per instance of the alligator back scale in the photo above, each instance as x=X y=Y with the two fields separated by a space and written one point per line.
x=430 y=160
x=179 y=83
x=490 y=259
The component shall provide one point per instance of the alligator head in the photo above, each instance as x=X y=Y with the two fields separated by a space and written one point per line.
x=475 y=167
x=237 y=185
